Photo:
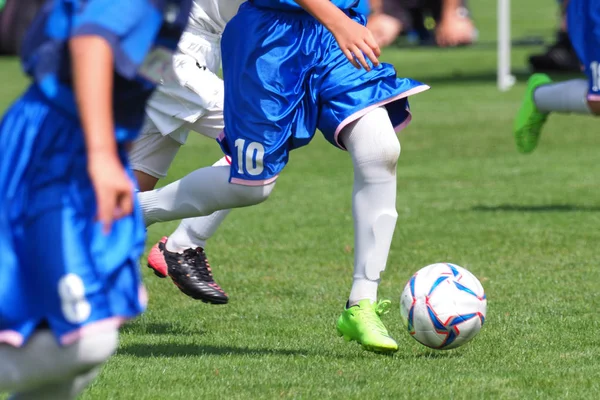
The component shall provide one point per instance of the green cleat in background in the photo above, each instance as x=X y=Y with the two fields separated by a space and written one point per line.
x=362 y=323
x=529 y=121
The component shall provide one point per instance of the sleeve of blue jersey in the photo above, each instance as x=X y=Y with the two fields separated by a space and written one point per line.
x=130 y=27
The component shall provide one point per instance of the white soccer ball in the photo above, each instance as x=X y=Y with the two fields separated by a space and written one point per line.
x=443 y=306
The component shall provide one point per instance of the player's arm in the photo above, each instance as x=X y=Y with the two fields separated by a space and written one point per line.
x=355 y=40
x=455 y=27
x=93 y=71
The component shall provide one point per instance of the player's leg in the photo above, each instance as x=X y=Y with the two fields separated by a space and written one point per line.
x=374 y=148
x=194 y=233
x=151 y=156
x=189 y=197
x=367 y=130
x=182 y=256
x=44 y=370
x=577 y=96
x=153 y=153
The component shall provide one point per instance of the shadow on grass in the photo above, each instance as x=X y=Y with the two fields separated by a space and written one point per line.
x=533 y=209
x=438 y=355
x=458 y=76
x=171 y=350
x=138 y=327
x=187 y=350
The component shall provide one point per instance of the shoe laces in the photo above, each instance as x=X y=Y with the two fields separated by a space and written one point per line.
x=198 y=262
x=383 y=307
x=371 y=315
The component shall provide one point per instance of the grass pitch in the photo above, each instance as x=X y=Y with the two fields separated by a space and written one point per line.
x=527 y=226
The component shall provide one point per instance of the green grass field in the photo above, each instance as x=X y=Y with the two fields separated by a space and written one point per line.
x=525 y=225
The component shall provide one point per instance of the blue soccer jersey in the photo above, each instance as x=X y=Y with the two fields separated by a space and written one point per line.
x=292 y=5
x=583 y=24
x=58 y=266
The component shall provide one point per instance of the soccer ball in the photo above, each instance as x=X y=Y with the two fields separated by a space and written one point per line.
x=443 y=306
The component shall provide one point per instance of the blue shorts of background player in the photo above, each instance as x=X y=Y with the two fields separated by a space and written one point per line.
x=583 y=25
x=289 y=78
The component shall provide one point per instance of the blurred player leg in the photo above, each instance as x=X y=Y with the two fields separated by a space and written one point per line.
x=563 y=97
x=44 y=370
x=577 y=96
x=374 y=148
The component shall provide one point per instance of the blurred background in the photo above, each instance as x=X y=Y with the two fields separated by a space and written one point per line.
x=394 y=23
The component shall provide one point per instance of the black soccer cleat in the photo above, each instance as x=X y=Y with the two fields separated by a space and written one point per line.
x=190 y=271
x=559 y=57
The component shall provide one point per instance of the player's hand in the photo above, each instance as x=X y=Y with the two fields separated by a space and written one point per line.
x=356 y=42
x=454 y=31
x=113 y=188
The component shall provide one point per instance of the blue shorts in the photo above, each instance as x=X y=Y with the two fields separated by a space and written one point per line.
x=57 y=267
x=285 y=77
x=583 y=22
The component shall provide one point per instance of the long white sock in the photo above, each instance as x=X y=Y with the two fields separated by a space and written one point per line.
x=194 y=232
x=563 y=97
x=197 y=194
x=42 y=362
x=374 y=148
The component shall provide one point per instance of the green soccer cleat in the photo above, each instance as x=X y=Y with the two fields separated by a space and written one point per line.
x=362 y=323
x=529 y=121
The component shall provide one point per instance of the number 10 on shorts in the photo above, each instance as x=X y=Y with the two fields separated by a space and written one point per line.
x=249 y=157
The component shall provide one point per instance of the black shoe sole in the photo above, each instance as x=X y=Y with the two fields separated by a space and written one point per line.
x=196 y=296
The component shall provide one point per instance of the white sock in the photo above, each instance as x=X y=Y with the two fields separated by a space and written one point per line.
x=42 y=362
x=563 y=97
x=197 y=194
x=374 y=148
x=65 y=390
x=194 y=232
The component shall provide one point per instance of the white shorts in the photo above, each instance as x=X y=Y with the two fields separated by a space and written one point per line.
x=153 y=154
x=190 y=98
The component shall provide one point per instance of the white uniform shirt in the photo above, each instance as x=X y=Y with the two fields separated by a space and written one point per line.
x=212 y=15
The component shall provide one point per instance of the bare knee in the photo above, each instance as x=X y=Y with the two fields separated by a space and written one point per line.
x=145 y=181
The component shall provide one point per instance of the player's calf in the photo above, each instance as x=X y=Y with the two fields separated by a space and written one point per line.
x=43 y=362
x=198 y=194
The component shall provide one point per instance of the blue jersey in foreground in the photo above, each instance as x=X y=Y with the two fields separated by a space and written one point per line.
x=583 y=24
x=58 y=267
